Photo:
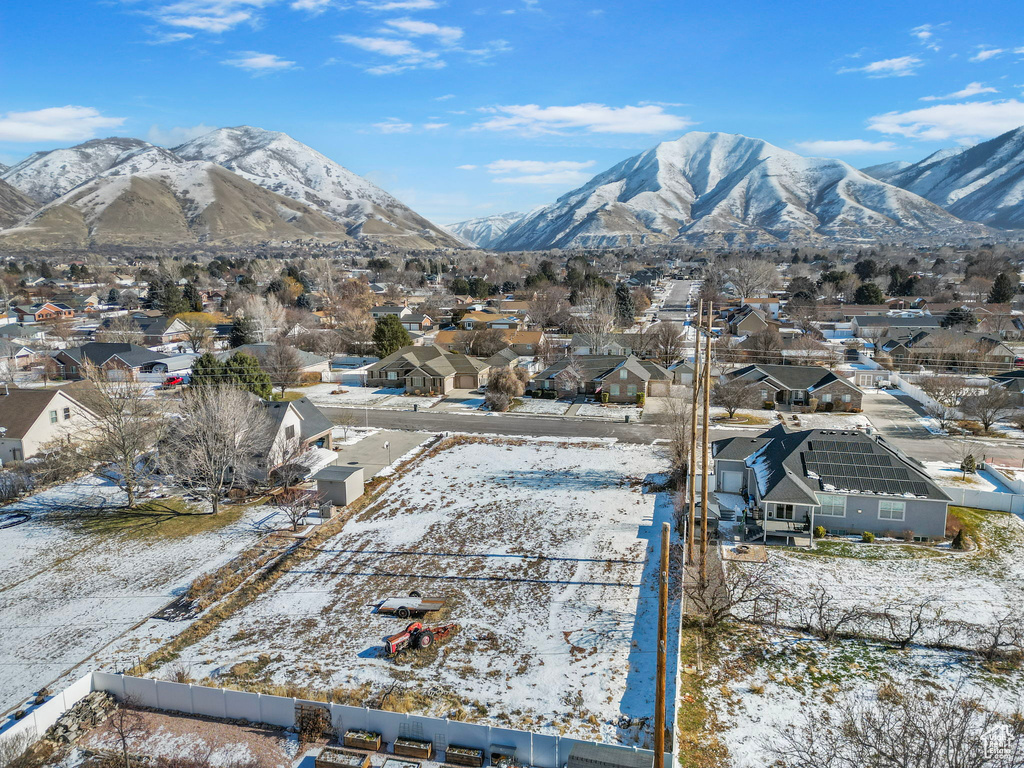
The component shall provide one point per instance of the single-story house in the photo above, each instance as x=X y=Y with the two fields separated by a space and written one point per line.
x=1012 y=382
x=873 y=326
x=47 y=310
x=746 y=321
x=844 y=481
x=14 y=355
x=794 y=386
x=523 y=343
x=485 y=319
x=124 y=361
x=623 y=377
x=941 y=348
x=383 y=310
x=308 y=362
x=31 y=418
x=428 y=368
x=612 y=344
x=417 y=321
x=153 y=329
x=769 y=305
x=299 y=426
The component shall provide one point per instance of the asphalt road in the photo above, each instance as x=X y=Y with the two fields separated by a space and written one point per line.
x=674 y=308
x=930 y=448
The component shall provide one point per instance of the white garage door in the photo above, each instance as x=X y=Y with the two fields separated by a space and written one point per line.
x=731 y=482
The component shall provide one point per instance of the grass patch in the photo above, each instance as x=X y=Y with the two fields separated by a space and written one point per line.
x=696 y=731
x=170 y=518
x=287 y=397
x=858 y=551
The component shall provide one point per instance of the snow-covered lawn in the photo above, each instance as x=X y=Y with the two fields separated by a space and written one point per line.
x=610 y=411
x=351 y=435
x=406 y=402
x=949 y=474
x=838 y=421
x=536 y=405
x=321 y=394
x=79 y=574
x=544 y=554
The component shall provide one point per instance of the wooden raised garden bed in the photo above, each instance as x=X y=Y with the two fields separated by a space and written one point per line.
x=414 y=748
x=332 y=757
x=362 y=740
x=470 y=756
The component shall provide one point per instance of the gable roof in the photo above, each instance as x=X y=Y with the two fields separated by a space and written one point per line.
x=881 y=321
x=312 y=420
x=97 y=353
x=791 y=377
x=433 y=360
x=598 y=367
x=20 y=408
x=792 y=467
x=259 y=350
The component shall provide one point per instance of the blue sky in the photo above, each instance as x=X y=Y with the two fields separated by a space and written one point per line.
x=468 y=108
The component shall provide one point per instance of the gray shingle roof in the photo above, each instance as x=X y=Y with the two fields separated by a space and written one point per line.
x=791 y=377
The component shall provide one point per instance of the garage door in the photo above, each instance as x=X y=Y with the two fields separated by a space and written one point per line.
x=465 y=381
x=730 y=482
x=659 y=388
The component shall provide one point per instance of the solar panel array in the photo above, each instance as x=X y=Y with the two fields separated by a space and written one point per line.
x=853 y=465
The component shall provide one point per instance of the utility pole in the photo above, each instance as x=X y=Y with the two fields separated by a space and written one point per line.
x=704 y=451
x=691 y=477
x=659 y=683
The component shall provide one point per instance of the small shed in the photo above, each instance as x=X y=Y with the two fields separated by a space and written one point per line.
x=589 y=755
x=339 y=486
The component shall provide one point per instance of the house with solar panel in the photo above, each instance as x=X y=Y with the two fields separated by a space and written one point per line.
x=787 y=483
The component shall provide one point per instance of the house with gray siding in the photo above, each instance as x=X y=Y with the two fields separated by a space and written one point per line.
x=844 y=481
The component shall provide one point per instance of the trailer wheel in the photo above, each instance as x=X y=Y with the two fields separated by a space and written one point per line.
x=414 y=593
x=425 y=639
x=402 y=613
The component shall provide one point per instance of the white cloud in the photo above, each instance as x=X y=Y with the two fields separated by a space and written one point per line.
x=985 y=53
x=831 y=148
x=446 y=97
x=434 y=126
x=170 y=37
x=393 y=125
x=953 y=121
x=540 y=171
x=899 y=67
x=69 y=123
x=467 y=167
x=971 y=89
x=399 y=5
x=531 y=119
x=407 y=54
x=259 y=63
x=172 y=137
x=414 y=28
x=312 y=6
x=925 y=33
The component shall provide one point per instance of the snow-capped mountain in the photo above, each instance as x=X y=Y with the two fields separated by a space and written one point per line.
x=885 y=171
x=485 y=231
x=981 y=183
x=45 y=176
x=154 y=197
x=14 y=206
x=717 y=187
x=283 y=165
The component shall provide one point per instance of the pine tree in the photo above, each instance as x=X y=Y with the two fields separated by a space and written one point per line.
x=868 y=293
x=245 y=370
x=207 y=370
x=389 y=335
x=959 y=316
x=242 y=332
x=968 y=465
x=959 y=541
x=1003 y=289
x=113 y=296
x=192 y=298
x=625 y=308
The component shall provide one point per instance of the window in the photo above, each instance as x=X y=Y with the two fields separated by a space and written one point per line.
x=417 y=381
x=846 y=398
x=826 y=398
x=67 y=414
x=613 y=390
x=393 y=375
x=891 y=510
x=289 y=432
x=764 y=394
x=623 y=374
x=53 y=417
x=784 y=512
x=631 y=390
x=831 y=505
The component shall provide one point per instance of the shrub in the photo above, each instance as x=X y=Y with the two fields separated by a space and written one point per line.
x=821 y=407
x=813 y=403
x=819 y=531
x=641 y=398
x=550 y=394
x=308 y=378
x=604 y=397
x=867 y=537
x=829 y=407
x=856 y=410
x=769 y=405
x=528 y=393
x=497 y=401
x=959 y=541
x=908 y=536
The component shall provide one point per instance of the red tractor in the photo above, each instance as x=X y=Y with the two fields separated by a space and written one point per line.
x=416 y=636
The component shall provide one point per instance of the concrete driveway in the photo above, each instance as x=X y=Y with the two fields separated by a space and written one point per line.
x=460 y=400
x=895 y=415
x=372 y=453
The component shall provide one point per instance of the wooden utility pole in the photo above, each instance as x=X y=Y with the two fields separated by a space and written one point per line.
x=691 y=476
x=704 y=451
x=659 y=683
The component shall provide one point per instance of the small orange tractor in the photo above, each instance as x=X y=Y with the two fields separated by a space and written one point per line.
x=416 y=636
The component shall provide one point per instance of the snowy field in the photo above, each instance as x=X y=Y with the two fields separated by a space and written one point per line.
x=77 y=575
x=543 y=407
x=320 y=394
x=949 y=474
x=611 y=412
x=544 y=554
x=767 y=676
x=838 y=421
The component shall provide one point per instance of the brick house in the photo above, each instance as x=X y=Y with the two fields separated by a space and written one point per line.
x=428 y=369
x=793 y=387
x=623 y=377
x=39 y=313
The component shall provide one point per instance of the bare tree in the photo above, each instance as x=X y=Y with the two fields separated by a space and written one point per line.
x=823 y=615
x=594 y=317
x=666 y=343
x=906 y=620
x=128 y=726
x=550 y=308
x=119 y=330
x=482 y=343
x=907 y=727
x=988 y=407
x=282 y=362
x=297 y=504
x=677 y=429
x=16 y=751
x=765 y=346
x=221 y=437
x=717 y=594
x=752 y=277
x=1002 y=636
x=571 y=377
x=123 y=424
x=199 y=331
x=735 y=394
x=266 y=316
x=948 y=390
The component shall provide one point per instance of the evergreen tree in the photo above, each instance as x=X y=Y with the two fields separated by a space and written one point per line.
x=44 y=270
x=865 y=269
x=192 y=298
x=1003 y=289
x=625 y=308
x=959 y=317
x=242 y=332
x=389 y=335
x=206 y=370
x=460 y=286
x=171 y=301
x=245 y=370
x=968 y=465
x=868 y=293
x=113 y=296
x=959 y=541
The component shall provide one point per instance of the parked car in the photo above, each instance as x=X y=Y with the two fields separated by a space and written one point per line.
x=173 y=381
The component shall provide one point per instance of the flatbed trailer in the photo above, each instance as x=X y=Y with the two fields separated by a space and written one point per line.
x=414 y=604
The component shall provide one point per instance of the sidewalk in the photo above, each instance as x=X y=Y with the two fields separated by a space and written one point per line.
x=578 y=403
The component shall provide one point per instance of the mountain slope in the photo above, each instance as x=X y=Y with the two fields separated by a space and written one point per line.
x=485 y=231
x=885 y=171
x=726 y=188
x=14 y=206
x=283 y=165
x=153 y=197
x=45 y=176
x=982 y=183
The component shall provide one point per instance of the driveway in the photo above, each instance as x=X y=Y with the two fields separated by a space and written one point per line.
x=378 y=451
x=895 y=415
x=461 y=400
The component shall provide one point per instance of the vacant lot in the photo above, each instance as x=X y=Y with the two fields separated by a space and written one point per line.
x=79 y=573
x=544 y=552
